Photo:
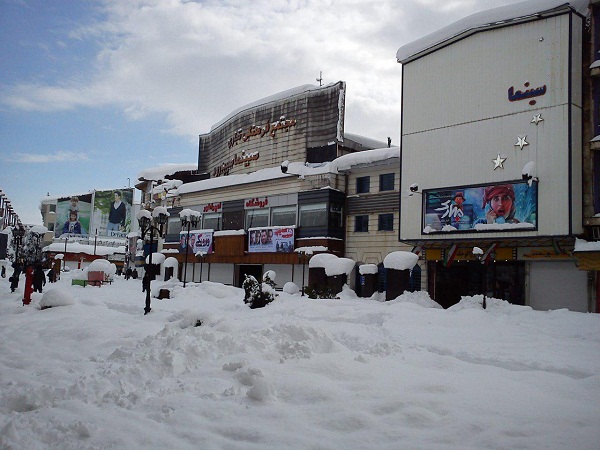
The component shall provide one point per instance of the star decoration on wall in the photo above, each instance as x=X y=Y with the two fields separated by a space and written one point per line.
x=537 y=119
x=521 y=142
x=498 y=162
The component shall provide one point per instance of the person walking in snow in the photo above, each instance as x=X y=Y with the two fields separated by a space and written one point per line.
x=39 y=279
x=14 y=279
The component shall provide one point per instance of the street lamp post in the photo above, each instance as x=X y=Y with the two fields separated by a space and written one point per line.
x=478 y=253
x=304 y=257
x=189 y=218
x=18 y=234
x=201 y=254
x=150 y=223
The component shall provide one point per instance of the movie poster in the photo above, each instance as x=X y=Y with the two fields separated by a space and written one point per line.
x=199 y=241
x=73 y=215
x=271 y=239
x=502 y=206
x=112 y=213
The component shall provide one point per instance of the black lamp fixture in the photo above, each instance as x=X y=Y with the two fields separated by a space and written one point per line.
x=189 y=218
x=151 y=222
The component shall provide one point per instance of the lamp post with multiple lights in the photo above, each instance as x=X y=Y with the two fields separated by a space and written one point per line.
x=150 y=223
x=189 y=218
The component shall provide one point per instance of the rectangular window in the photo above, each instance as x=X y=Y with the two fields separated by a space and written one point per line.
x=257 y=218
x=211 y=221
x=386 y=222
x=361 y=223
x=336 y=215
x=363 y=185
x=283 y=216
x=386 y=182
x=52 y=208
x=51 y=226
x=313 y=215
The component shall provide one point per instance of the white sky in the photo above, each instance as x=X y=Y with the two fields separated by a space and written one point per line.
x=93 y=92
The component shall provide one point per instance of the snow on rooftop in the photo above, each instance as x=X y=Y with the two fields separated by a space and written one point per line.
x=364 y=141
x=581 y=245
x=161 y=172
x=171 y=262
x=76 y=247
x=350 y=160
x=485 y=19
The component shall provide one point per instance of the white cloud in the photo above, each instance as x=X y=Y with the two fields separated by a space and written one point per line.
x=36 y=158
x=195 y=62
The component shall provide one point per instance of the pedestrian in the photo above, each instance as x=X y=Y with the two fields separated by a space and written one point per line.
x=146 y=282
x=28 y=285
x=128 y=273
x=134 y=274
x=3 y=272
x=51 y=276
x=39 y=279
x=14 y=279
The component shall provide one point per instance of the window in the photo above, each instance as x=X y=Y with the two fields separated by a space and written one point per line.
x=313 y=215
x=363 y=185
x=386 y=182
x=386 y=222
x=361 y=223
x=257 y=218
x=283 y=216
x=212 y=221
x=336 y=215
x=51 y=226
x=52 y=208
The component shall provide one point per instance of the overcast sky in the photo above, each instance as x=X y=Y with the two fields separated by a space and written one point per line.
x=92 y=92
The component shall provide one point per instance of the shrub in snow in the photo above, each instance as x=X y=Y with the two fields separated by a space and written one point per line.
x=56 y=297
x=259 y=295
x=291 y=288
x=320 y=292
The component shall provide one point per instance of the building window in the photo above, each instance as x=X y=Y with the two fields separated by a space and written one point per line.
x=336 y=215
x=363 y=185
x=283 y=216
x=361 y=223
x=386 y=182
x=51 y=226
x=212 y=221
x=52 y=208
x=313 y=215
x=257 y=218
x=386 y=222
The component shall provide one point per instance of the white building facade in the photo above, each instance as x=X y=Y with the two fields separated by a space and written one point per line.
x=491 y=109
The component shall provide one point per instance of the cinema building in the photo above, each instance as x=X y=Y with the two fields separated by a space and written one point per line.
x=272 y=186
x=492 y=155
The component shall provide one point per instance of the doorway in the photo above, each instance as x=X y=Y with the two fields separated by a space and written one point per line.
x=241 y=270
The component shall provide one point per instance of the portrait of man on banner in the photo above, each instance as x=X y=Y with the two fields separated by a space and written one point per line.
x=112 y=212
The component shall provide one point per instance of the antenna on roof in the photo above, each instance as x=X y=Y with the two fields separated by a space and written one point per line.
x=320 y=79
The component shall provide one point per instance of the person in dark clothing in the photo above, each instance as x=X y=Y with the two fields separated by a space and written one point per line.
x=134 y=274
x=145 y=282
x=117 y=214
x=3 y=272
x=39 y=279
x=14 y=279
x=128 y=273
x=51 y=276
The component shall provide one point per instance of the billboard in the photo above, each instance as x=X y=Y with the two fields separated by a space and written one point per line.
x=112 y=212
x=501 y=206
x=271 y=239
x=73 y=215
x=199 y=241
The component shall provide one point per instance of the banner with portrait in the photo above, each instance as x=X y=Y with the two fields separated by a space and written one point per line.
x=501 y=206
x=271 y=239
x=112 y=212
x=199 y=241
x=73 y=215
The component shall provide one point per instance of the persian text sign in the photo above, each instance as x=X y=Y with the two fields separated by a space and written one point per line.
x=271 y=239
x=199 y=241
x=499 y=207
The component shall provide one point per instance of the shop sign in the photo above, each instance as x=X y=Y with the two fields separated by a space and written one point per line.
x=198 y=241
x=213 y=207
x=526 y=93
x=508 y=206
x=269 y=129
x=256 y=203
x=271 y=240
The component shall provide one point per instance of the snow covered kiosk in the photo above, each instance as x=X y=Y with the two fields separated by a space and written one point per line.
x=398 y=266
x=270 y=186
x=497 y=163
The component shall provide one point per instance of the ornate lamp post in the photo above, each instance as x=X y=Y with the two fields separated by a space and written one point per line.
x=478 y=253
x=150 y=223
x=18 y=234
x=303 y=256
x=189 y=218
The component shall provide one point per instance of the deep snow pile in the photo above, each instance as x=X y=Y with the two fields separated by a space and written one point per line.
x=203 y=370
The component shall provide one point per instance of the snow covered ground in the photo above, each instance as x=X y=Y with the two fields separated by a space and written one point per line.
x=349 y=373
